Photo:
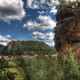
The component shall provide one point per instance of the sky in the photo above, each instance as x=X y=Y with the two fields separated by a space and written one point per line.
x=27 y=20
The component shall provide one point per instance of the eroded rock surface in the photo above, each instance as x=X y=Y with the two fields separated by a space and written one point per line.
x=67 y=31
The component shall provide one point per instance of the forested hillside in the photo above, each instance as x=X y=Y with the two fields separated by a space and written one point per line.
x=26 y=47
x=1 y=49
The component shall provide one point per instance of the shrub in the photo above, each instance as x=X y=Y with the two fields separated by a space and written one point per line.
x=42 y=68
x=68 y=66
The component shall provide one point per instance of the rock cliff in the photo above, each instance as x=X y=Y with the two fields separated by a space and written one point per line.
x=67 y=30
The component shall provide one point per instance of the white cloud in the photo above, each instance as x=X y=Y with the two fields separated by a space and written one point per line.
x=11 y=10
x=8 y=36
x=52 y=43
x=4 y=40
x=44 y=18
x=36 y=4
x=41 y=12
x=43 y=36
x=53 y=10
x=31 y=25
x=45 y=23
x=52 y=2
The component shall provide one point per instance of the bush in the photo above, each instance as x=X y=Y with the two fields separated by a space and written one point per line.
x=5 y=74
x=61 y=67
x=68 y=66
x=42 y=68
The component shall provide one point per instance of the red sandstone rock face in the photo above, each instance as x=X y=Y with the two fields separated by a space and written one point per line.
x=67 y=32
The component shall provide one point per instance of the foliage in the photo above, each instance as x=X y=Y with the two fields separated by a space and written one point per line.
x=3 y=63
x=5 y=74
x=60 y=67
x=1 y=49
x=68 y=66
x=42 y=68
x=27 y=48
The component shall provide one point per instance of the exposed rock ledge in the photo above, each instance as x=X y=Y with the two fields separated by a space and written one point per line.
x=67 y=31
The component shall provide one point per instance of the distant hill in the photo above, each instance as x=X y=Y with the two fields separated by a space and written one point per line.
x=27 y=47
x=1 y=48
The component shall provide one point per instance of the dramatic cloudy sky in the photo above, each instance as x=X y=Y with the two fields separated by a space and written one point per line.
x=26 y=20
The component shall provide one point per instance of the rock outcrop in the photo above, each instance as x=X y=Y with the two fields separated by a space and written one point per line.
x=67 y=31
